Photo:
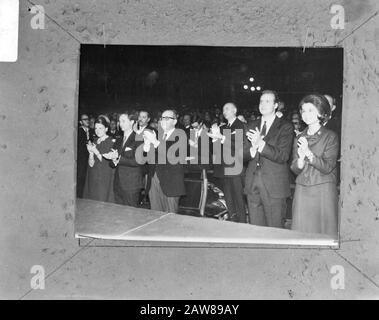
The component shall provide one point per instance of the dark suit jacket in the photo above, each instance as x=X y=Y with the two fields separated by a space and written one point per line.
x=324 y=145
x=117 y=134
x=129 y=173
x=82 y=157
x=171 y=176
x=203 y=158
x=231 y=147
x=273 y=158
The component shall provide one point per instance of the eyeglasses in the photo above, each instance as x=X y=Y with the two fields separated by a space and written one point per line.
x=166 y=118
x=85 y=119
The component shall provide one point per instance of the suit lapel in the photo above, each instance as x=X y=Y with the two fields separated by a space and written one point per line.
x=273 y=129
x=127 y=142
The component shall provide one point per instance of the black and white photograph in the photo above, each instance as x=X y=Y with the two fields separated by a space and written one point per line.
x=254 y=134
x=189 y=156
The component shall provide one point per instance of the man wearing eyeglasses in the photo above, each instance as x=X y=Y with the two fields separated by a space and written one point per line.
x=82 y=157
x=166 y=175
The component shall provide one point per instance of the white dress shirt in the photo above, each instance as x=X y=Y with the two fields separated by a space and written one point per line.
x=269 y=122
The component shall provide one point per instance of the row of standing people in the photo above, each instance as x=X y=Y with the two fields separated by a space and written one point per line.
x=268 y=149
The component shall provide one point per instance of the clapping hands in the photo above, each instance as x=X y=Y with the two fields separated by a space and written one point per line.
x=215 y=132
x=303 y=148
x=91 y=147
x=149 y=137
x=192 y=143
x=254 y=136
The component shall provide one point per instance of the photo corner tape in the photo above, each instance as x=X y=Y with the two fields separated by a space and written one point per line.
x=9 y=15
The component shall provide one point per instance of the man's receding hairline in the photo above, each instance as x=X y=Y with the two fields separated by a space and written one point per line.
x=271 y=93
x=171 y=111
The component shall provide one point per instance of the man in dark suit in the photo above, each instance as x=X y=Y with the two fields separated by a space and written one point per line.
x=200 y=151
x=113 y=132
x=140 y=126
x=128 y=180
x=267 y=183
x=143 y=121
x=82 y=156
x=230 y=138
x=166 y=174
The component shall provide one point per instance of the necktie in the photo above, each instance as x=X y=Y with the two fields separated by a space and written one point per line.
x=164 y=136
x=263 y=133
x=264 y=129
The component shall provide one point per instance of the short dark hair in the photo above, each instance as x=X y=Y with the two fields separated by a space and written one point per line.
x=273 y=92
x=321 y=104
x=197 y=119
x=113 y=118
x=333 y=99
x=174 y=112
x=104 y=120
x=130 y=114
x=144 y=110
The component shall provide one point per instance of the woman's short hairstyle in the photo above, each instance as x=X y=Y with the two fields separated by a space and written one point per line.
x=321 y=104
x=104 y=120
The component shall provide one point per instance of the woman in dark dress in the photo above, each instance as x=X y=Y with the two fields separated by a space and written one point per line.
x=99 y=182
x=315 y=204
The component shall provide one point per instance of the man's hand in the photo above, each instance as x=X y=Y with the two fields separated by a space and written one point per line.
x=254 y=136
x=215 y=133
x=149 y=137
x=112 y=155
x=192 y=143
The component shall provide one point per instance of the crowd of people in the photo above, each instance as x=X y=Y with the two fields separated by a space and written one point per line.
x=123 y=155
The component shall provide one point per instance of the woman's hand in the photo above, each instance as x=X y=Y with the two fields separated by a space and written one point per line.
x=303 y=149
x=90 y=147
x=302 y=144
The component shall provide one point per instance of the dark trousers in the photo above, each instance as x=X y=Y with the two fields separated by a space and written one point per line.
x=127 y=198
x=263 y=209
x=233 y=191
x=159 y=201
x=81 y=178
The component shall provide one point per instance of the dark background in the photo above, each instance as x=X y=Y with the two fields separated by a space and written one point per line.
x=118 y=77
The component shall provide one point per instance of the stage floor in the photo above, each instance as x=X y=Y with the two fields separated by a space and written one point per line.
x=134 y=226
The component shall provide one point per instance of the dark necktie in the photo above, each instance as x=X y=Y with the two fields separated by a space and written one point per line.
x=263 y=133
x=264 y=129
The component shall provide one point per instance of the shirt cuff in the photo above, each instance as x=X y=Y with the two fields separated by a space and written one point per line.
x=223 y=139
x=261 y=146
x=253 y=152
x=156 y=143
x=146 y=147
